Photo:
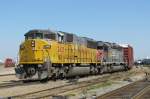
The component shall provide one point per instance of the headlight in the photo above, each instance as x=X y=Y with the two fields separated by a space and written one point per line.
x=33 y=43
x=47 y=46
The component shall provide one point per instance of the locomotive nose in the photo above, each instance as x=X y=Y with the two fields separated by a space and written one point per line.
x=31 y=51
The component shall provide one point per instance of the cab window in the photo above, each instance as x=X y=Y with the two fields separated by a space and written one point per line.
x=29 y=36
x=34 y=36
x=38 y=36
x=50 y=36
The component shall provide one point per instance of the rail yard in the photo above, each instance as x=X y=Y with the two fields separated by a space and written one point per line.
x=75 y=49
x=62 y=65
x=136 y=90
x=86 y=86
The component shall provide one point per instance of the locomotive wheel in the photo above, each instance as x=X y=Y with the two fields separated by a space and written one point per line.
x=31 y=71
x=44 y=80
x=101 y=71
x=61 y=76
x=54 y=77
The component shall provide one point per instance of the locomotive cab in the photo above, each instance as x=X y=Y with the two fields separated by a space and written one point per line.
x=34 y=55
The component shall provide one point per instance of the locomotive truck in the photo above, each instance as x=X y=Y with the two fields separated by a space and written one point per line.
x=56 y=54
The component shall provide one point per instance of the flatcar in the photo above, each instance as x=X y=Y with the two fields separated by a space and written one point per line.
x=56 y=54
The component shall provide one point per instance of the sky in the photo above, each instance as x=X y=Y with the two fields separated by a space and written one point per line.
x=120 y=21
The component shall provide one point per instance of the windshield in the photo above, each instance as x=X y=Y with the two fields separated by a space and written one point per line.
x=34 y=36
x=38 y=36
x=50 y=36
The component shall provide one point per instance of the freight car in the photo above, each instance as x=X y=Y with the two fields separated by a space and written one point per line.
x=128 y=54
x=56 y=54
x=9 y=63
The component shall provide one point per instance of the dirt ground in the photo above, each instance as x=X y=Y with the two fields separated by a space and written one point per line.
x=17 y=90
x=126 y=78
x=96 y=90
x=7 y=74
x=8 y=70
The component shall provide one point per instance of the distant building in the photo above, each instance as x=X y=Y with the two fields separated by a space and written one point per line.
x=143 y=62
x=146 y=62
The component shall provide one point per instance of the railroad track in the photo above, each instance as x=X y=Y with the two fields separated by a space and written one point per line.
x=10 y=84
x=136 y=90
x=48 y=93
x=1 y=75
x=17 y=83
x=143 y=94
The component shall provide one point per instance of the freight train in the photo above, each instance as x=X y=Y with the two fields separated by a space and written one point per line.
x=56 y=54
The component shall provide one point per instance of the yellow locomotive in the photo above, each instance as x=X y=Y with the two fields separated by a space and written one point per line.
x=56 y=54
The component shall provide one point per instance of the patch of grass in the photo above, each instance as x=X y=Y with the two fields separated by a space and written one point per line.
x=146 y=65
x=71 y=94
x=97 y=86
